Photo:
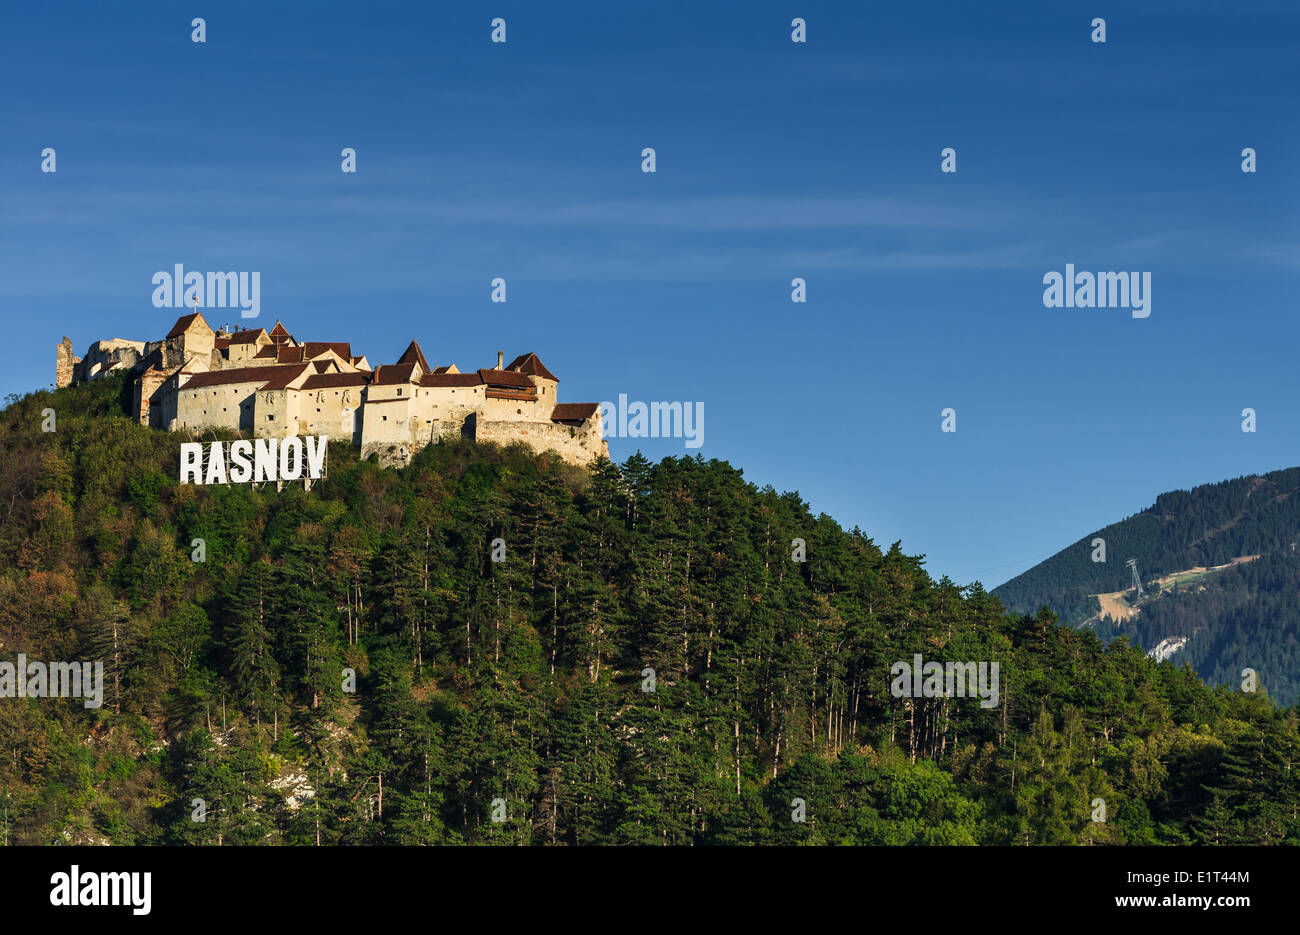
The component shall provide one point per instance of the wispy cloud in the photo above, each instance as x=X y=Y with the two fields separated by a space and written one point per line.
x=1281 y=254
x=755 y=213
x=1010 y=256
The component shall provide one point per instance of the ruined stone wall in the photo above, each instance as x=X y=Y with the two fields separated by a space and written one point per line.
x=153 y=397
x=108 y=355
x=65 y=363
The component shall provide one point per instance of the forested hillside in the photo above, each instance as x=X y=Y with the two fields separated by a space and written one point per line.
x=1209 y=525
x=527 y=680
x=1241 y=617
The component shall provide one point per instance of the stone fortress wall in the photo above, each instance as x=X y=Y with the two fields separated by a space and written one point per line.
x=269 y=384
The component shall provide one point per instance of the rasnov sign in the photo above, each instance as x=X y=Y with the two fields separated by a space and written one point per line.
x=254 y=461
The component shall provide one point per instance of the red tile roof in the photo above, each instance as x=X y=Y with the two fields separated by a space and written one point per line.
x=286 y=376
x=316 y=348
x=326 y=380
x=413 y=354
x=389 y=374
x=279 y=335
x=234 y=375
x=532 y=365
x=505 y=378
x=247 y=337
x=528 y=397
x=574 y=412
x=451 y=379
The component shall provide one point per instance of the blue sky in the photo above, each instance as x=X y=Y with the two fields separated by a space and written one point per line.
x=775 y=160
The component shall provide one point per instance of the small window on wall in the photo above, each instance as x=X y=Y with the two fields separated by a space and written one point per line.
x=271 y=417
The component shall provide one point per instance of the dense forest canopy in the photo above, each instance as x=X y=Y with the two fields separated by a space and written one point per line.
x=648 y=665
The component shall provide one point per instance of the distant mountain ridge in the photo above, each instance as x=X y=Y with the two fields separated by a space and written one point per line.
x=1240 y=617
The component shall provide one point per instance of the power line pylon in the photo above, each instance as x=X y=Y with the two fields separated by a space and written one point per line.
x=1137 y=580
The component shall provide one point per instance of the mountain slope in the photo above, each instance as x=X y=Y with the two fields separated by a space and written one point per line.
x=1221 y=568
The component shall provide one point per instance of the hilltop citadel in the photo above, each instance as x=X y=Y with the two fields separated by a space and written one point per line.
x=266 y=383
